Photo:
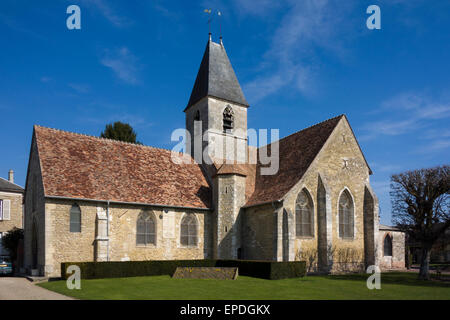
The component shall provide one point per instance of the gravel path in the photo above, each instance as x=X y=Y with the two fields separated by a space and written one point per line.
x=14 y=288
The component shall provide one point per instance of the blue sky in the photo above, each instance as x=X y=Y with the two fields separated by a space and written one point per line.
x=299 y=63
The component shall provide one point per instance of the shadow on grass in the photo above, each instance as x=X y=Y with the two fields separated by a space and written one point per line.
x=408 y=279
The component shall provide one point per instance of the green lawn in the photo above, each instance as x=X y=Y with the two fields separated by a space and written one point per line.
x=393 y=286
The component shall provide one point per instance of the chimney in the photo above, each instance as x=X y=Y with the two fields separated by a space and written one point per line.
x=11 y=176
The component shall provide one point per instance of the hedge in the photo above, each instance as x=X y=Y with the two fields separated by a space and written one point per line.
x=116 y=269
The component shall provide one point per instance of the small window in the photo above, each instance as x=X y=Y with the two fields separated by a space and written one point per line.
x=388 y=246
x=188 y=230
x=197 y=116
x=145 y=229
x=228 y=119
x=304 y=215
x=346 y=224
x=75 y=218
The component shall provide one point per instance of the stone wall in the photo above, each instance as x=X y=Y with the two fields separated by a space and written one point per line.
x=66 y=246
x=259 y=233
x=397 y=260
x=15 y=212
x=341 y=167
x=34 y=215
x=230 y=197
x=220 y=145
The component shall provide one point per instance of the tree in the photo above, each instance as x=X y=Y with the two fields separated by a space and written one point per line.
x=120 y=131
x=421 y=207
x=10 y=241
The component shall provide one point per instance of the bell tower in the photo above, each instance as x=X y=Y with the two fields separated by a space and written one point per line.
x=216 y=114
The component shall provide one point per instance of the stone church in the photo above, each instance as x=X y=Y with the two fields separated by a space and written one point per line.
x=94 y=199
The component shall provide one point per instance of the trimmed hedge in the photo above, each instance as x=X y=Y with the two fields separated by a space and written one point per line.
x=116 y=269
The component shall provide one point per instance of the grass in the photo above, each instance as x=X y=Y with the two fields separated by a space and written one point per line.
x=394 y=286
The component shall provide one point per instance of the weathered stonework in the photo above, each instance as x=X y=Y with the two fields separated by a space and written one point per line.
x=341 y=167
x=259 y=233
x=397 y=259
x=230 y=189
x=120 y=245
x=16 y=215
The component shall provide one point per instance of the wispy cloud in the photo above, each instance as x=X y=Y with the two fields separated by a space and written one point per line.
x=419 y=114
x=433 y=146
x=416 y=111
x=79 y=87
x=306 y=29
x=18 y=26
x=108 y=12
x=123 y=63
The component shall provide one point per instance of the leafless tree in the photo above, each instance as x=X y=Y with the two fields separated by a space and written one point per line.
x=421 y=206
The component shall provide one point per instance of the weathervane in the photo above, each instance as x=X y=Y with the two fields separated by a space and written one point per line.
x=210 y=17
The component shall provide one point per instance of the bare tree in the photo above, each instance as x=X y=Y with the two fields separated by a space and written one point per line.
x=420 y=204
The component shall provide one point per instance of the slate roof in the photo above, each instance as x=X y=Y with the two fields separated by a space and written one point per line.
x=297 y=151
x=7 y=186
x=216 y=77
x=87 y=167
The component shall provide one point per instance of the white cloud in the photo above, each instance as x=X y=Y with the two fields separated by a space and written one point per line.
x=416 y=111
x=307 y=27
x=105 y=9
x=123 y=63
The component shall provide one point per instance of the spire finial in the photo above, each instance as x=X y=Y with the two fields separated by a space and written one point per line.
x=208 y=11
x=220 y=25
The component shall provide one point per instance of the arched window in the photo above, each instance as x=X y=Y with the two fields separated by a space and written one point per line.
x=197 y=116
x=188 y=230
x=346 y=223
x=75 y=218
x=304 y=215
x=228 y=119
x=388 y=246
x=145 y=229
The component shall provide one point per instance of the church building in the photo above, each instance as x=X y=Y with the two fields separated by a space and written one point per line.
x=95 y=199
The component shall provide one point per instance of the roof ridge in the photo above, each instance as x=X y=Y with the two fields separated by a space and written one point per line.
x=312 y=126
x=101 y=138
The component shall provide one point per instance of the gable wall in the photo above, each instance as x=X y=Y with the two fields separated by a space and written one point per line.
x=331 y=166
x=34 y=181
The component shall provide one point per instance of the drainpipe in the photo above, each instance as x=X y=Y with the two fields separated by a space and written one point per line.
x=107 y=230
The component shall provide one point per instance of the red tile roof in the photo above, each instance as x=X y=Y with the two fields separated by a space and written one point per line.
x=80 y=166
x=297 y=151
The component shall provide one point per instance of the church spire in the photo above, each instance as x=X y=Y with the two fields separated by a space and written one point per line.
x=216 y=77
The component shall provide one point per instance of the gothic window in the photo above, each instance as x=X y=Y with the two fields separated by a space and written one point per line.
x=228 y=119
x=346 y=223
x=145 y=229
x=197 y=116
x=75 y=218
x=388 y=246
x=188 y=230
x=304 y=215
